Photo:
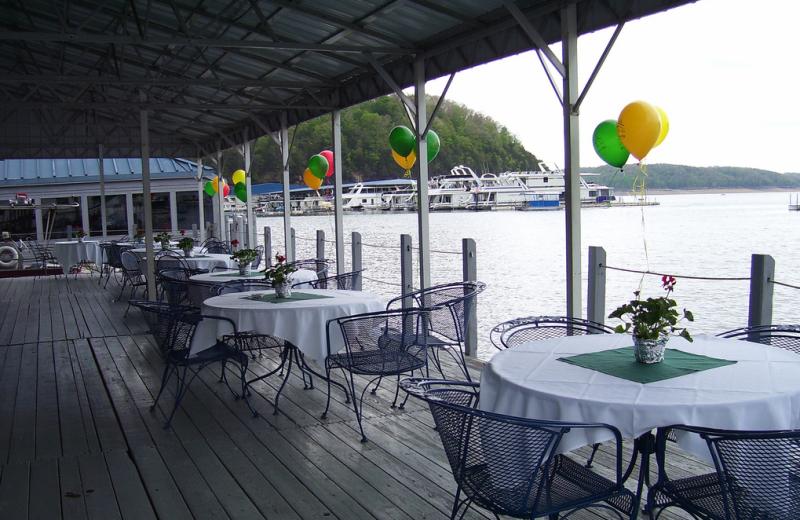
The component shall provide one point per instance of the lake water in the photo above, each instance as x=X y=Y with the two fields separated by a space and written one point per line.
x=521 y=255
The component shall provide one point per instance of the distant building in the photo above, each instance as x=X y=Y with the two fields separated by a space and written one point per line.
x=175 y=188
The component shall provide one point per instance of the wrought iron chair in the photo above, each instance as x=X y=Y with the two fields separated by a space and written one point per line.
x=257 y=262
x=114 y=260
x=241 y=286
x=174 y=328
x=321 y=267
x=217 y=247
x=170 y=260
x=783 y=336
x=509 y=465
x=533 y=328
x=132 y=276
x=342 y=282
x=444 y=330
x=45 y=259
x=756 y=476
x=376 y=345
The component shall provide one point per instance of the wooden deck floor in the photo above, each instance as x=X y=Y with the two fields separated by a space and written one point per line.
x=77 y=438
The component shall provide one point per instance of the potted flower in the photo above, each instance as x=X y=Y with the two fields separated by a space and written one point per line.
x=79 y=234
x=234 y=243
x=280 y=276
x=244 y=257
x=164 y=238
x=651 y=321
x=138 y=237
x=187 y=245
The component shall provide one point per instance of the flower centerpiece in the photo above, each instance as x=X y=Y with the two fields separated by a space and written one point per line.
x=234 y=243
x=79 y=234
x=164 y=238
x=138 y=237
x=187 y=245
x=651 y=321
x=244 y=257
x=280 y=276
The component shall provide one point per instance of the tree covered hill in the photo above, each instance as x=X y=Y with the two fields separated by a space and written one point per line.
x=467 y=137
x=674 y=176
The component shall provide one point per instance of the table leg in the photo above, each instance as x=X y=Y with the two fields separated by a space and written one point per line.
x=643 y=447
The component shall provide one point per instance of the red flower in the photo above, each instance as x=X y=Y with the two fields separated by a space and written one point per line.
x=234 y=242
x=183 y=232
x=280 y=258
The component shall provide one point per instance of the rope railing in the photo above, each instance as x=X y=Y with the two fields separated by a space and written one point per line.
x=381 y=281
x=365 y=244
x=726 y=279
x=784 y=284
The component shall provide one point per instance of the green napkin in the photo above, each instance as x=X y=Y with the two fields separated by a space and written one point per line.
x=622 y=363
x=295 y=297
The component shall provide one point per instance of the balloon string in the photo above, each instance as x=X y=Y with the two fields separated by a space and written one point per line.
x=407 y=175
x=642 y=192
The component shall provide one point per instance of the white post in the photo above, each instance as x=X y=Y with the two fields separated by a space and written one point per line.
x=337 y=175
x=101 y=169
x=201 y=211
x=287 y=203
x=148 y=206
x=422 y=185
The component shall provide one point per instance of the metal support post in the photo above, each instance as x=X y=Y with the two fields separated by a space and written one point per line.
x=470 y=272
x=356 y=259
x=320 y=250
x=337 y=176
x=268 y=246
x=762 y=273
x=406 y=269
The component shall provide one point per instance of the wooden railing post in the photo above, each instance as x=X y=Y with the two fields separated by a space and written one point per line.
x=268 y=246
x=596 y=293
x=294 y=243
x=406 y=270
x=762 y=273
x=321 y=251
x=470 y=273
x=356 y=259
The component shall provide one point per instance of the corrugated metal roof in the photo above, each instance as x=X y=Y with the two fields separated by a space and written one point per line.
x=217 y=73
x=29 y=172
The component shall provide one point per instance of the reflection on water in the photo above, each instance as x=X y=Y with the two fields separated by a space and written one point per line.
x=521 y=254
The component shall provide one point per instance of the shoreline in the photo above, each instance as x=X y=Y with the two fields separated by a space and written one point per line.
x=688 y=191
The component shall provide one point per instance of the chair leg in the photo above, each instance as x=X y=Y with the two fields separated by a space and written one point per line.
x=164 y=379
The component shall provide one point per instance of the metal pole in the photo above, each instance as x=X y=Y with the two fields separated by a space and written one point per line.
x=422 y=186
x=406 y=269
x=103 y=219
x=268 y=246
x=572 y=177
x=762 y=273
x=320 y=250
x=337 y=175
x=356 y=259
x=287 y=203
x=250 y=237
x=201 y=211
x=470 y=273
x=148 y=205
x=223 y=223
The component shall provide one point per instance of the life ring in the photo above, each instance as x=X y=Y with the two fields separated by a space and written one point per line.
x=9 y=257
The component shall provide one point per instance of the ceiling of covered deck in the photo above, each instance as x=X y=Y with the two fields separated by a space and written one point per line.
x=212 y=74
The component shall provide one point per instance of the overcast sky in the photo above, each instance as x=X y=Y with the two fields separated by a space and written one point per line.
x=725 y=71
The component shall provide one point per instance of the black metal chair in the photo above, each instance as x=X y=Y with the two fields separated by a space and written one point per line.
x=320 y=267
x=174 y=327
x=447 y=323
x=257 y=262
x=342 y=282
x=45 y=259
x=533 y=328
x=757 y=477
x=241 y=286
x=783 y=336
x=113 y=261
x=170 y=260
x=509 y=465
x=376 y=345
x=131 y=276
x=217 y=247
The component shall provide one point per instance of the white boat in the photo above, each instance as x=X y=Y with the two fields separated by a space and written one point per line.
x=453 y=191
x=370 y=195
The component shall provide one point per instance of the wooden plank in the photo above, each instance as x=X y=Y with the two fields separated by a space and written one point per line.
x=74 y=325
x=33 y=322
x=48 y=431
x=199 y=496
x=72 y=498
x=59 y=330
x=23 y=432
x=102 y=429
x=255 y=469
x=45 y=502
x=101 y=502
x=21 y=322
x=14 y=489
x=84 y=309
x=161 y=488
x=73 y=433
x=128 y=487
x=9 y=382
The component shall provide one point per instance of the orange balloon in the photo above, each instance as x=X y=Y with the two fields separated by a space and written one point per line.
x=639 y=126
x=407 y=162
x=311 y=180
x=215 y=184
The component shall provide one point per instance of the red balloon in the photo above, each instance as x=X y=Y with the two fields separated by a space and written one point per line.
x=226 y=190
x=328 y=155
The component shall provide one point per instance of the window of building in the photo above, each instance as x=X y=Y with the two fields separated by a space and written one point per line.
x=116 y=215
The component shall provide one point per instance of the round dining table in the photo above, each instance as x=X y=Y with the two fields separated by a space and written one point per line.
x=73 y=252
x=200 y=260
x=301 y=277
x=760 y=391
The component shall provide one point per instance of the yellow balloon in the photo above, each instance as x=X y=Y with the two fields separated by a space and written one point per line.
x=238 y=176
x=405 y=163
x=215 y=184
x=664 y=126
x=311 y=180
x=639 y=126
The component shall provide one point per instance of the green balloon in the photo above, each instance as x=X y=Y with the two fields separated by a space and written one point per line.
x=209 y=189
x=240 y=190
x=433 y=145
x=402 y=141
x=318 y=165
x=607 y=144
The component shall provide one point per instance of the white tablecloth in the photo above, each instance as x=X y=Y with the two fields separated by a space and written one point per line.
x=71 y=252
x=301 y=275
x=760 y=392
x=301 y=323
x=199 y=261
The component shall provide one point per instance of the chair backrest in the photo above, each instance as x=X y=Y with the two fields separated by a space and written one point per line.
x=173 y=327
x=130 y=263
x=240 y=286
x=757 y=470
x=170 y=260
x=783 y=336
x=449 y=303
x=114 y=259
x=319 y=266
x=533 y=328
x=502 y=463
x=257 y=262
x=343 y=282
x=218 y=247
x=385 y=342
x=198 y=292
